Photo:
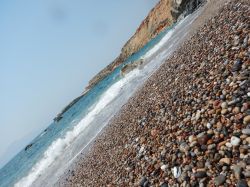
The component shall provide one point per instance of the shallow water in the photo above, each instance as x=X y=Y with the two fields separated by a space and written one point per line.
x=55 y=149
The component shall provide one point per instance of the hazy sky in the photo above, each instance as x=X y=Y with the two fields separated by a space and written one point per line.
x=49 y=49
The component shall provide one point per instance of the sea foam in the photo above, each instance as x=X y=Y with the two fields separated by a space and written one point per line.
x=58 y=146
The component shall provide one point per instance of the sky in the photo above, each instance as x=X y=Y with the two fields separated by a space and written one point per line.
x=49 y=50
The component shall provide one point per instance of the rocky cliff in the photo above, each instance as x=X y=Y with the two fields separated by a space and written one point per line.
x=164 y=14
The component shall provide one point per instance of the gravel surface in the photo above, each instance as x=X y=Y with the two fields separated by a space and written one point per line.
x=189 y=125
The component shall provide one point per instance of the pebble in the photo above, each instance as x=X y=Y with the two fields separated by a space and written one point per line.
x=235 y=141
x=202 y=139
x=237 y=171
x=191 y=138
x=237 y=65
x=194 y=143
x=164 y=185
x=236 y=40
x=209 y=125
x=154 y=132
x=229 y=145
x=184 y=147
x=224 y=111
x=247 y=173
x=242 y=183
x=176 y=171
x=236 y=110
x=163 y=167
x=143 y=182
x=219 y=180
x=200 y=164
x=248 y=140
x=211 y=146
x=224 y=105
x=225 y=161
x=246 y=119
x=141 y=149
x=246 y=131
x=198 y=115
x=200 y=174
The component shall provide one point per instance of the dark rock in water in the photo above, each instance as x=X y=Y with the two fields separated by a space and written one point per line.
x=60 y=115
x=129 y=67
x=242 y=183
x=237 y=65
x=184 y=7
x=219 y=180
x=28 y=146
x=58 y=118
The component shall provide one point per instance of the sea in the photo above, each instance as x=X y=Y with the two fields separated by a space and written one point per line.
x=55 y=149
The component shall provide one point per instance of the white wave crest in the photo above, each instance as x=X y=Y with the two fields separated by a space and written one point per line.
x=58 y=146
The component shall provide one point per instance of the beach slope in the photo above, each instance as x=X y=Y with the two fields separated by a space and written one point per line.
x=190 y=122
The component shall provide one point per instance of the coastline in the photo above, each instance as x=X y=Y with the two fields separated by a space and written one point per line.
x=59 y=116
x=117 y=156
x=165 y=14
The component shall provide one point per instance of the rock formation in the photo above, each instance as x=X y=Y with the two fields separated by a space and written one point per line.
x=131 y=66
x=163 y=15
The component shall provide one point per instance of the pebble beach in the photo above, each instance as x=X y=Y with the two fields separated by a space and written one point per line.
x=189 y=124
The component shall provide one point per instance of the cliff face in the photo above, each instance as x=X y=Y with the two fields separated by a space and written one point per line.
x=164 y=14
x=158 y=19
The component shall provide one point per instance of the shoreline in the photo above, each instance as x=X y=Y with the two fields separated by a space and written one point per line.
x=141 y=113
x=161 y=17
x=84 y=151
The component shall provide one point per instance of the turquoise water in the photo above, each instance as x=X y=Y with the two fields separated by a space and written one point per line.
x=24 y=161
